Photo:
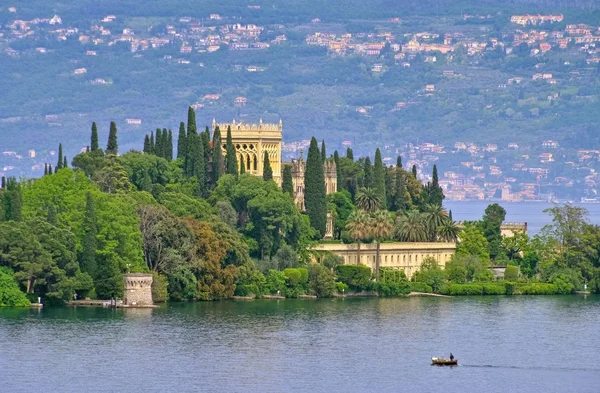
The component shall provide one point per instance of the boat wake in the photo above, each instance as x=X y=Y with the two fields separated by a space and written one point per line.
x=531 y=367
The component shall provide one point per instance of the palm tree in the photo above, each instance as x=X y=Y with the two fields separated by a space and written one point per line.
x=382 y=228
x=448 y=231
x=358 y=225
x=368 y=199
x=411 y=227
x=435 y=216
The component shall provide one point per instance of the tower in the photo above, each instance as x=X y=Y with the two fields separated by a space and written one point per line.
x=137 y=289
x=298 y=169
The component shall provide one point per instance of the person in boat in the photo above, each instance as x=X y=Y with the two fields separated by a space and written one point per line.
x=451 y=356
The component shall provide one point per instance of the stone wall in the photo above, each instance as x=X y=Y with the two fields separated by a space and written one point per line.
x=137 y=289
x=404 y=256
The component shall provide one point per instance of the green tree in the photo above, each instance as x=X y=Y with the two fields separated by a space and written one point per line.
x=181 y=142
x=435 y=217
x=338 y=168
x=169 y=146
x=321 y=280
x=89 y=243
x=368 y=181
x=205 y=137
x=230 y=157
x=285 y=258
x=490 y=225
x=94 y=138
x=191 y=121
x=368 y=199
x=400 y=194
x=217 y=163
x=343 y=207
x=448 y=231
x=267 y=171
x=314 y=191
x=414 y=171
x=323 y=152
x=382 y=229
x=112 y=146
x=473 y=242
x=411 y=227
x=10 y=294
x=159 y=147
x=59 y=164
x=195 y=161
x=358 y=226
x=287 y=184
x=349 y=154
x=146 y=144
x=379 y=176
x=113 y=177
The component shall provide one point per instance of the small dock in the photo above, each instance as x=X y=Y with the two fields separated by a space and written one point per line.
x=425 y=294
x=107 y=304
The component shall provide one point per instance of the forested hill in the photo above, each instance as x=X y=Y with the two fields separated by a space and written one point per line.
x=368 y=73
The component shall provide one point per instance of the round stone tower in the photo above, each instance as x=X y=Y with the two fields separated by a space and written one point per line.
x=137 y=289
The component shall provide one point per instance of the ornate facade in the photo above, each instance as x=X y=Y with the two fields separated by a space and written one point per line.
x=251 y=141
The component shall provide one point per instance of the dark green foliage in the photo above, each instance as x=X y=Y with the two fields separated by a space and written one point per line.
x=357 y=277
x=379 y=176
x=49 y=169
x=89 y=243
x=158 y=146
x=414 y=171
x=287 y=184
x=59 y=164
x=267 y=171
x=338 y=167
x=399 y=162
x=322 y=281
x=12 y=200
x=112 y=147
x=147 y=144
x=217 y=158
x=490 y=226
x=400 y=197
x=195 y=161
x=65 y=162
x=152 y=143
x=169 y=144
x=45 y=169
x=349 y=154
x=94 y=138
x=323 y=152
x=109 y=281
x=314 y=192
x=191 y=122
x=420 y=287
x=10 y=294
x=230 y=155
x=511 y=273
x=205 y=136
x=181 y=141
x=368 y=181
x=433 y=193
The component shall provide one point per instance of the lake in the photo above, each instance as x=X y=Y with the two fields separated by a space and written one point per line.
x=503 y=344
x=530 y=212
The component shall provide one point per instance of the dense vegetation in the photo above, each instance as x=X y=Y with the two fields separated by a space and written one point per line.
x=206 y=233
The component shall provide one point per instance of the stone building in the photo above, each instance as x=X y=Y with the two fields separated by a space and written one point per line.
x=137 y=289
x=401 y=256
x=251 y=141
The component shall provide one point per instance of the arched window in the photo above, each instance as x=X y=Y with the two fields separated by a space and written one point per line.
x=255 y=163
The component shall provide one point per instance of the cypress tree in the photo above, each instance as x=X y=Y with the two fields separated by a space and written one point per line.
x=3 y=182
x=152 y=147
x=112 y=147
x=13 y=202
x=287 y=185
x=435 y=181
x=49 y=169
x=170 y=146
x=323 y=152
x=267 y=171
x=450 y=215
x=379 y=176
x=90 y=231
x=205 y=138
x=400 y=190
x=368 y=173
x=59 y=164
x=65 y=162
x=435 y=193
x=45 y=171
x=191 y=123
x=217 y=163
x=165 y=144
x=195 y=154
x=349 y=154
x=51 y=216
x=230 y=157
x=338 y=170
x=399 y=162
x=314 y=191
x=181 y=141
x=414 y=171
x=147 y=144
x=158 y=147
x=94 y=138
x=242 y=167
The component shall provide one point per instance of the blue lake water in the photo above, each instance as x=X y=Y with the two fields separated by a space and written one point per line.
x=503 y=344
x=530 y=212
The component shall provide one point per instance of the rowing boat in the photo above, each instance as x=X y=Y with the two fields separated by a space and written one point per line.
x=444 y=362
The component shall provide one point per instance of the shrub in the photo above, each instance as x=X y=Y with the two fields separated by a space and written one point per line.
x=465 y=289
x=303 y=275
x=511 y=273
x=275 y=281
x=493 y=289
x=393 y=288
x=330 y=261
x=242 y=290
x=341 y=287
x=357 y=277
x=159 y=288
x=10 y=294
x=420 y=287
x=292 y=276
x=321 y=280
x=538 y=289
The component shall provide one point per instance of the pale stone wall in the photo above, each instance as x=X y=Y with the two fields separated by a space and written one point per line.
x=404 y=256
x=508 y=229
x=137 y=289
x=251 y=142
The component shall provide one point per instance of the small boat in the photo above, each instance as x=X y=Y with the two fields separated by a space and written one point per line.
x=444 y=362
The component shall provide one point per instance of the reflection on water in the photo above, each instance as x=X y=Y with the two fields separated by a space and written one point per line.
x=524 y=344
